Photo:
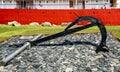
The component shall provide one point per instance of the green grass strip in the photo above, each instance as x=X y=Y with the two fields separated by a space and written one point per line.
x=9 y=31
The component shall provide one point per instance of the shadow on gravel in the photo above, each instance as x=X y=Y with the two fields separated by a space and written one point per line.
x=67 y=42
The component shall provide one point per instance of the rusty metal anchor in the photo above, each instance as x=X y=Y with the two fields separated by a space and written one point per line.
x=68 y=30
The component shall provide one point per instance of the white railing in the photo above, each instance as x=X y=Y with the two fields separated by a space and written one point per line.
x=55 y=6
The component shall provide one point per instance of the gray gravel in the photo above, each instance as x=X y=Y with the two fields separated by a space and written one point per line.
x=71 y=53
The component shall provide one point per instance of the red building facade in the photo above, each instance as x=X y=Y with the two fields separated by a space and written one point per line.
x=57 y=11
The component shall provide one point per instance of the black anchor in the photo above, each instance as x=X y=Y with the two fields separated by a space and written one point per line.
x=93 y=22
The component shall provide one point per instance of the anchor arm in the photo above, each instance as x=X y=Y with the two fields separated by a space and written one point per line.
x=100 y=25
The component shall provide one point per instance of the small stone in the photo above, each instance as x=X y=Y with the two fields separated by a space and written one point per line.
x=34 y=24
x=115 y=60
x=2 y=69
x=71 y=48
x=116 y=68
x=88 y=69
x=88 y=64
x=98 y=56
x=30 y=66
x=14 y=23
x=52 y=64
x=20 y=57
x=66 y=62
x=46 y=24
x=69 y=70
x=94 y=69
x=16 y=61
x=52 y=42
x=36 y=65
x=53 y=47
x=23 y=63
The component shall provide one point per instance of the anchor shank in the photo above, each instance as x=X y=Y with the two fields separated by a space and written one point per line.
x=63 y=33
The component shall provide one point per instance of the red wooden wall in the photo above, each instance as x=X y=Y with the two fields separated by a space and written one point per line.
x=57 y=16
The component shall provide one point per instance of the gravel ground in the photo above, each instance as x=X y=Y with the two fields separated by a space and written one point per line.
x=71 y=53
